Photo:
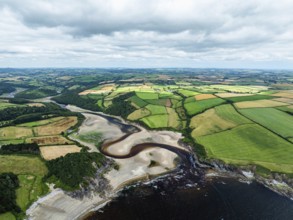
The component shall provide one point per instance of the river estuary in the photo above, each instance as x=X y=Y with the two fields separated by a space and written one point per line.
x=186 y=194
x=181 y=190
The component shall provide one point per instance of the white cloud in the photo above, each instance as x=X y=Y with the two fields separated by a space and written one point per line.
x=146 y=33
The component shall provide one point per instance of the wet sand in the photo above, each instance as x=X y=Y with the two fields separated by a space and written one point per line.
x=153 y=161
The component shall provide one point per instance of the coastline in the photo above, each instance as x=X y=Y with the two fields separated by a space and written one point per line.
x=59 y=205
x=72 y=208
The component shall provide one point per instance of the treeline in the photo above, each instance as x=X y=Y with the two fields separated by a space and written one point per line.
x=30 y=148
x=70 y=171
x=36 y=93
x=6 y=88
x=198 y=148
x=75 y=99
x=18 y=101
x=23 y=114
x=14 y=112
x=120 y=106
x=8 y=185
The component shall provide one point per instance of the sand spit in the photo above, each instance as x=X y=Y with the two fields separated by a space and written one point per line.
x=154 y=161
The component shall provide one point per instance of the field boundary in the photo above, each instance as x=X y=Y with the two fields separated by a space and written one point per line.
x=262 y=125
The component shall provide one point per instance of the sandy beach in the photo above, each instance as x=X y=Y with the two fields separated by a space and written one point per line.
x=154 y=161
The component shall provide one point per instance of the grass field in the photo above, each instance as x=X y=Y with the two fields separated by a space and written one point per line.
x=163 y=102
x=193 y=108
x=189 y=99
x=140 y=113
x=236 y=88
x=173 y=118
x=175 y=102
x=11 y=141
x=156 y=121
x=31 y=187
x=286 y=108
x=40 y=122
x=137 y=101
x=100 y=103
x=147 y=95
x=208 y=123
x=107 y=103
x=187 y=93
x=13 y=132
x=228 y=113
x=273 y=119
x=250 y=144
x=5 y=104
x=22 y=165
x=26 y=183
x=259 y=104
x=7 y=216
x=249 y=98
x=156 y=109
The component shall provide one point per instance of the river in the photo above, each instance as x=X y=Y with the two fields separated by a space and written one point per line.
x=184 y=192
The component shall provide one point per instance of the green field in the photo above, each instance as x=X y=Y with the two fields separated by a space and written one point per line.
x=22 y=165
x=31 y=187
x=273 y=119
x=228 y=113
x=170 y=95
x=189 y=99
x=40 y=122
x=286 y=108
x=11 y=141
x=147 y=95
x=139 y=113
x=249 y=98
x=5 y=104
x=26 y=183
x=162 y=102
x=100 y=103
x=30 y=171
x=7 y=216
x=137 y=101
x=209 y=123
x=234 y=88
x=187 y=93
x=156 y=121
x=196 y=107
x=250 y=144
x=156 y=109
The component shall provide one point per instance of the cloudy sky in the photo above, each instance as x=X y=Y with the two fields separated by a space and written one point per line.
x=146 y=33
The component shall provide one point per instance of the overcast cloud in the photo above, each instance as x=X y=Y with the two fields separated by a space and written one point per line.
x=146 y=33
